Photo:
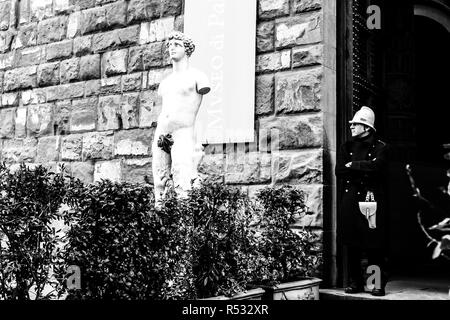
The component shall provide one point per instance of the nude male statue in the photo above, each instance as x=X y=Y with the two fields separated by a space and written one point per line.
x=175 y=158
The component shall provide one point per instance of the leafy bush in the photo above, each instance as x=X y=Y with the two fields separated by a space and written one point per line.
x=282 y=253
x=124 y=248
x=214 y=242
x=221 y=239
x=29 y=203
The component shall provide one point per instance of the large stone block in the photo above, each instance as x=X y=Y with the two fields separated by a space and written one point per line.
x=307 y=56
x=135 y=62
x=115 y=39
x=35 y=96
x=26 y=36
x=62 y=117
x=83 y=115
x=171 y=7
x=74 y=25
x=6 y=40
x=98 y=145
x=149 y=109
x=83 y=171
x=62 y=7
x=40 y=9
x=306 y=5
x=48 y=149
x=40 y=119
x=7 y=60
x=108 y=170
x=71 y=147
x=212 y=168
x=130 y=110
x=132 y=82
x=275 y=61
x=48 y=74
x=82 y=45
x=305 y=29
x=5 y=9
x=114 y=62
x=139 y=10
x=298 y=91
x=30 y=56
x=20 y=122
x=92 y=88
x=265 y=36
x=13 y=14
x=65 y=91
x=93 y=20
x=133 y=142
x=82 y=4
x=265 y=94
x=21 y=78
x=116 y=14
x=269 y=9
x=70 y=70
x=135 y=170
x=52 y=30
x=19 y=150
x=156 y=30
x=90 y=67
x=152 y=55
x=108 y=113
x=247 y=168
x=295 y=132
x=298 y=167
x=111 y=85
x=70 y=91
x=60 y=50
x=10 y=99
x=24 y=10
x=7 y=123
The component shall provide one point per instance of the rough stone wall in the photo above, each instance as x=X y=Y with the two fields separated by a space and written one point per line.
x=78 y=84
x=78 y=81
x=295 y=108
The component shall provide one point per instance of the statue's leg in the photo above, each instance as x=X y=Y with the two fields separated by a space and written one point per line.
x=184 y=169
x=161 y=165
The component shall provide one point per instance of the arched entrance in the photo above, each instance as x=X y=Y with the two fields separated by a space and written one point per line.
x=398 y=70
x=419 y=126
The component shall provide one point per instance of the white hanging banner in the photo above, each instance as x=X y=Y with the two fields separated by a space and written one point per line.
x=224 y=33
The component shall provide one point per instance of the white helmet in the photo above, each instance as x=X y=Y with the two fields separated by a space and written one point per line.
x=365 y=116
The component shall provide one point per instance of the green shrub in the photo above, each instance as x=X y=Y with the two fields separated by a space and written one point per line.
x=221 y=240
x=29 y=203
x=215 y=242
x=283 y=254
x=124 y=248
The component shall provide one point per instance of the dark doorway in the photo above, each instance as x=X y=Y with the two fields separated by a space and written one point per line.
x=401 y=71
x=418 y=133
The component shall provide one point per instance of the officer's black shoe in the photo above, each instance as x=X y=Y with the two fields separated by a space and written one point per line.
x=378 y=292
x=354 y=288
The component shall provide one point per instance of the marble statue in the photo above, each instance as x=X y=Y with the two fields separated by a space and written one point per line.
x=174 y=148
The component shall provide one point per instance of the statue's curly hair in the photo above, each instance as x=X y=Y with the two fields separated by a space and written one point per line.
x=188 y=43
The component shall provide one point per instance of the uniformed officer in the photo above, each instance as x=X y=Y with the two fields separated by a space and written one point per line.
x=362 y=168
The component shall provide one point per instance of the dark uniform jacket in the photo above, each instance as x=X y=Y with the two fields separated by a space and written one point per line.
x=368 y=172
